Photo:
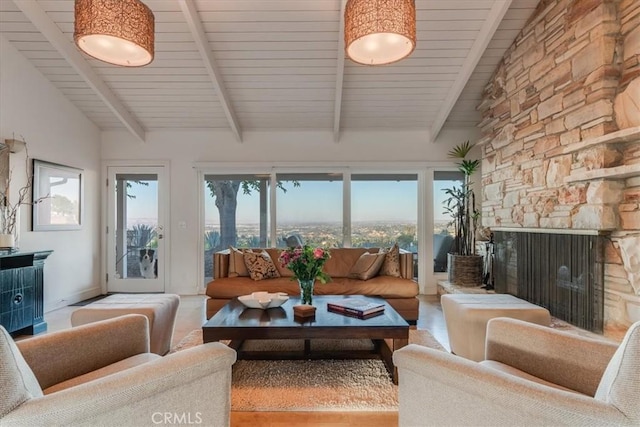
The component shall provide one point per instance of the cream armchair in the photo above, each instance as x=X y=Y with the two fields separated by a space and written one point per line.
x=102 y=374
x=532 y=375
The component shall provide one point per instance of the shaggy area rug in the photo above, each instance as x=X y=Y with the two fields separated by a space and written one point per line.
x=312 y=385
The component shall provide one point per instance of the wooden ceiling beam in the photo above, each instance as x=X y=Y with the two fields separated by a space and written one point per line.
x=497 y=12
x=197 y=30
x=337 y=103
x=68 y=50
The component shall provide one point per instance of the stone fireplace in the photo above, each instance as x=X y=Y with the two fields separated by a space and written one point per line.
x=561 y=137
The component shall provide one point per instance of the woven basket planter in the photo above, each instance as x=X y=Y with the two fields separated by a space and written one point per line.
x=465 y=270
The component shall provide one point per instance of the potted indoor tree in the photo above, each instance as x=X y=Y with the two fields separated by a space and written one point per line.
x=464 y=266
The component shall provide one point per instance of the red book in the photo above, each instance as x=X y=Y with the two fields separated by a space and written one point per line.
x=357 y=316
x=356 y=306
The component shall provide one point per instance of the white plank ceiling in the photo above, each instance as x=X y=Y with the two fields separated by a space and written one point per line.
x=247 y=65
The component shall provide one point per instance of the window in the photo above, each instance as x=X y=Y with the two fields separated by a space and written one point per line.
x=384 y=210
x=309 y=209
x=236 y=213
x=332 y=208
x=443 y=231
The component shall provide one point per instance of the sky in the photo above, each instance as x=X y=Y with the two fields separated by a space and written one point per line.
x=313 y=201
x=145 y=204
x=322 y=202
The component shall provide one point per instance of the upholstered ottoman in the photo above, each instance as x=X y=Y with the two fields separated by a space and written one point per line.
x=466 y=316
x=160 y=309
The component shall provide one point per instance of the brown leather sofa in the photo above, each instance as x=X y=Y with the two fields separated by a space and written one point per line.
x=399 y=292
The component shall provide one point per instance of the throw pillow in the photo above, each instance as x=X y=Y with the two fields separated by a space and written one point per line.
x=260 y=265
x=391 y=264
x=237 y=266
x=367 y=266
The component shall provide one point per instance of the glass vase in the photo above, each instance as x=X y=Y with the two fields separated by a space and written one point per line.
x=306 y=291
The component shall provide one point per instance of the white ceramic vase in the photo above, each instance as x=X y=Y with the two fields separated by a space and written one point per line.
x=7 y=241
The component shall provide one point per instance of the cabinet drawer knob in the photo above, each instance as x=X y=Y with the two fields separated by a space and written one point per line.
x=18 y=299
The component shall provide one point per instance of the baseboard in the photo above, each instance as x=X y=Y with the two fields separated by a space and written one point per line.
x=72 y=299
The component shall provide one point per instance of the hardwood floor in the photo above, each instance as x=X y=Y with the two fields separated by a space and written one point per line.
x=324 y=419
x=191 y=315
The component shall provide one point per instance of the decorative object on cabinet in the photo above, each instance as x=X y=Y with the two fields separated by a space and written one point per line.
x=10 y=211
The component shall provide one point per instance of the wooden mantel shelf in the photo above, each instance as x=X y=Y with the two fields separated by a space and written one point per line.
x=619 y=137
x=618 y=172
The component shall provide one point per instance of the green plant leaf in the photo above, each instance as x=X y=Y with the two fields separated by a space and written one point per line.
x=468 y=167
x=460 y=151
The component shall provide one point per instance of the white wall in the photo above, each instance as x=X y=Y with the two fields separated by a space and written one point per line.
x=31 y=108
x=183 y=149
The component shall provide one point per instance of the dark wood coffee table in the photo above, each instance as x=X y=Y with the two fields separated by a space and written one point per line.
x=235 y=322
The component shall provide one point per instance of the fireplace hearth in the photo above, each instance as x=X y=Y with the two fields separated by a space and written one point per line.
x=561 y=272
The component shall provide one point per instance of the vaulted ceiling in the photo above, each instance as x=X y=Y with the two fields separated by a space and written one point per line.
x=248 y=65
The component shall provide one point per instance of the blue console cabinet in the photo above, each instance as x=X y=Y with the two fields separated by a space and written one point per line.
x=22 y=293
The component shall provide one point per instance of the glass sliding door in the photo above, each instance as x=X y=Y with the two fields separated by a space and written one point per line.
x=443 y=230
x=331 y=208
x=309 y=209
x=236 y=213
x=384 y=210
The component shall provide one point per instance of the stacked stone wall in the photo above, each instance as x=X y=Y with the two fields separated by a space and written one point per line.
x=630 y=32
x=561 y=142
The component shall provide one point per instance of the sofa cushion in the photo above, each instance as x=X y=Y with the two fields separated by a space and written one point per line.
x=367 y=266
x=129 y=362
x=384 y=286
x=260 y=265
x=521 y=374
x=227 y=288
x=342 y=259
x=19 y=384
x=237 y=266
x=391 y=264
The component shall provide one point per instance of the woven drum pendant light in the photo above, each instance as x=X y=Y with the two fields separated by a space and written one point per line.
x=119 y=32
x=378 y=32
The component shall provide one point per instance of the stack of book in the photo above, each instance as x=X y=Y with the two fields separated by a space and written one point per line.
x=356 y=307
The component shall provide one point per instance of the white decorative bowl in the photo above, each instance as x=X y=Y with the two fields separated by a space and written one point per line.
x=264 y=299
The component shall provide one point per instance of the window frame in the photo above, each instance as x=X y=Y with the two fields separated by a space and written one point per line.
x=304 y=170
x=427 y=278
x=431 y=221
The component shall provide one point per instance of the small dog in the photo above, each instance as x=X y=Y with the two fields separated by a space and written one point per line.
x=148 y=264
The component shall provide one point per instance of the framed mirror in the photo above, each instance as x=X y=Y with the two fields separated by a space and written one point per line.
x=61 y=187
